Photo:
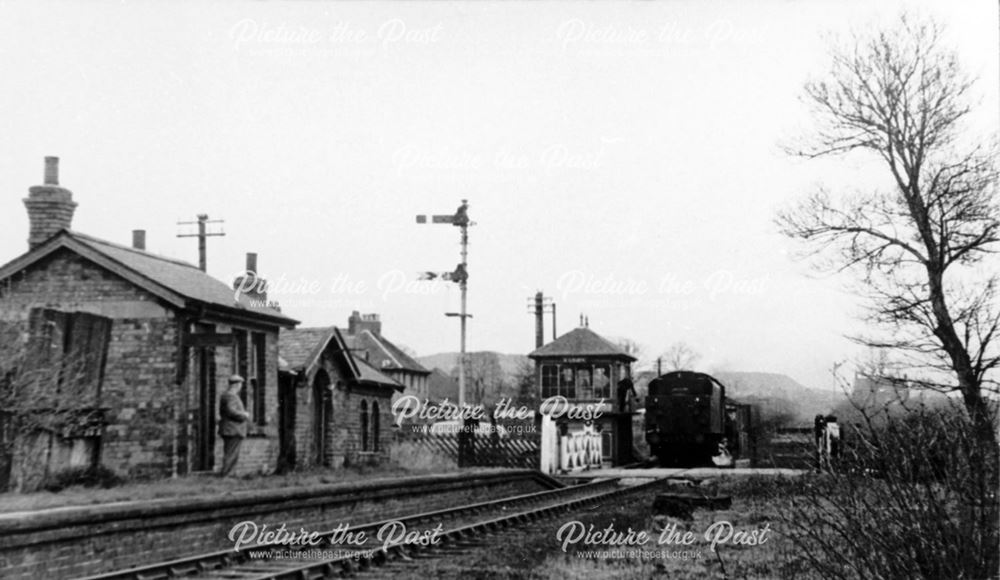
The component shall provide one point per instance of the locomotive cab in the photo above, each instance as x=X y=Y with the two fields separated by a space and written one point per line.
x=685 y=418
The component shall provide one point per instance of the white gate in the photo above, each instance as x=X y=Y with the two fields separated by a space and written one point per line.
x=574 y=451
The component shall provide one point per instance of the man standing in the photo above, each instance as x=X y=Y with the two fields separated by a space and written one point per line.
x=232 y=425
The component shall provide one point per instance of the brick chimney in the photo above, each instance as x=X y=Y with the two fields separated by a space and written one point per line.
x=139 y=239
x=50 y=207
x=358 y=322
x=249 y=284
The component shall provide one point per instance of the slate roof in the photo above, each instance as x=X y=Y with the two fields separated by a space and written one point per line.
x=581 y=342
x=371 y=374
x=300 y=350
x=382 y=353
x=173 y=280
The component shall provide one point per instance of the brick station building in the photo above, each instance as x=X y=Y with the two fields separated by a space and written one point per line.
x=341 y=412
x=586 y=368
x=159 y=337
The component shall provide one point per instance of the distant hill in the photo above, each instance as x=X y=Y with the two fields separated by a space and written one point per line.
x=490 y=376
x=446 y=361
x=759 y=384
x=779 y=392
x=777 y=396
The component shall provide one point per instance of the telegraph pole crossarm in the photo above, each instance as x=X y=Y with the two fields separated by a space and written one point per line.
x=202 y=234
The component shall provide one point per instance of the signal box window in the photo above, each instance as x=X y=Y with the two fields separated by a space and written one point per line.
x=550 y=381
x=584 y=383
x=602 y=382
x=567 y=382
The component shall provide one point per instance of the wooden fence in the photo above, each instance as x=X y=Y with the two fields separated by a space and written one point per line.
x=475 y=449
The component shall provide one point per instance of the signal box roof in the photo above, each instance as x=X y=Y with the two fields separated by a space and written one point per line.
x=581 y=342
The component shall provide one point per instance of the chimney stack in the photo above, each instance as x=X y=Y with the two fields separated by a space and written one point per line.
x=139 y=239
x=358 y=322
x=51 y=171
x=50 y=207
x=249 y=284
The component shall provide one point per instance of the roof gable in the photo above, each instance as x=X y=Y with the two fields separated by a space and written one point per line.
x=302 y=348
x=383 y=353
x=174 y=281
x=581 y=342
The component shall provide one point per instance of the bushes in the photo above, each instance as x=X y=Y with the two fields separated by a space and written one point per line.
x=412 y=455
x=96 y=476
x=915 y=497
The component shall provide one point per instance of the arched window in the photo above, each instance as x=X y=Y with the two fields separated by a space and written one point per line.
x=375 y=425
x=364 y=425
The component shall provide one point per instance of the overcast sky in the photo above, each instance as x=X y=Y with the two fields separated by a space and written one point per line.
x=623 y=158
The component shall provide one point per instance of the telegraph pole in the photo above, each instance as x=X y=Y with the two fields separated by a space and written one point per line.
x=459 y=276
x=538 y=306
x=202 y=234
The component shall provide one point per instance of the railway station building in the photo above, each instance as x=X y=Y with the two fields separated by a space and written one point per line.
x=114 y=355
x=590 y=372
x=339 y=409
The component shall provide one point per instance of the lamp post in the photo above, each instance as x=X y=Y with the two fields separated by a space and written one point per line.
x=461 y=277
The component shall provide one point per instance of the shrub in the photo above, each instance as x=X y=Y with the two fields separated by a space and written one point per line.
x=96 y=476
x=414 y=455
x=915 y=496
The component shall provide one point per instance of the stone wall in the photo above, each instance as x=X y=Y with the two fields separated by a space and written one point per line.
x=259 y=452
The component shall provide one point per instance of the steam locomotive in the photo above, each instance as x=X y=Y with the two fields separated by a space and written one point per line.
x=686 y=418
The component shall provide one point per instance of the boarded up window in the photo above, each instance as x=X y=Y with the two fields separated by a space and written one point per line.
x=53 y=417
x=67 y=353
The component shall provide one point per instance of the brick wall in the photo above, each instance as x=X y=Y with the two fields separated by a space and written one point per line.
x=343 y=430
x=68 y=543
x=348 y=424
x=151 y=420
x=259 y=452
x=139 y=376
x=305 y=445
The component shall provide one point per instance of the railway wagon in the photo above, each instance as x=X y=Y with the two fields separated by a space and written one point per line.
x=685 y=418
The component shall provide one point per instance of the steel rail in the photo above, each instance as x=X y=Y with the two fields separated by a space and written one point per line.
x=217 y=560
x=461 y=537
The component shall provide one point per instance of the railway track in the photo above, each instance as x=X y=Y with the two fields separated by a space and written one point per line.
x=455 y=528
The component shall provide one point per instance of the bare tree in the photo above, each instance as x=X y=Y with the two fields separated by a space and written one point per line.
x=485 y=379
x=900 y=95
x=524 y=380
x=632 y=348
x=680 y=357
